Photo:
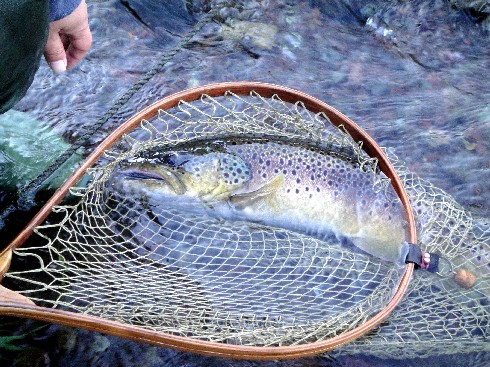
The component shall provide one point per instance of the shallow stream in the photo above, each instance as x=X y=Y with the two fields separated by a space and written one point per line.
x=413 y=74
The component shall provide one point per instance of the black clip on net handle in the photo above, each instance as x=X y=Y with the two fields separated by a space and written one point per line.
x=422 y=260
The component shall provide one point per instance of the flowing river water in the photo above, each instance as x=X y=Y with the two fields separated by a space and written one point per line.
x=413 y=74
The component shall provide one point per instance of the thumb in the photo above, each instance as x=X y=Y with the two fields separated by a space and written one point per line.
x=55 y=53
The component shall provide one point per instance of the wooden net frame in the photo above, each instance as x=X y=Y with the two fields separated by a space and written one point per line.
x=14 y=304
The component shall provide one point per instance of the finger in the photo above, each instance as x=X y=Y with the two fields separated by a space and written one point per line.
x=55 y=54
x=80 y=43
x=65 y=39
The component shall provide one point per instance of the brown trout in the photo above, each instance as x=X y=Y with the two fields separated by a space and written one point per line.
x=285 y=186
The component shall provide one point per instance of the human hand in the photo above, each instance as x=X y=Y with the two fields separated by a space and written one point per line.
x=69 y=40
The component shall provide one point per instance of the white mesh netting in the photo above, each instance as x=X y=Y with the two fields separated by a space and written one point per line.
x=181 y=268
x=436 y=316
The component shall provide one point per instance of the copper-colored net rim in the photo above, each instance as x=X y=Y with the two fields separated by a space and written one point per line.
x=12 y=304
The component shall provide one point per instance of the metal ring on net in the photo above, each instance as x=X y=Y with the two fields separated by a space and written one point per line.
x=211 y=328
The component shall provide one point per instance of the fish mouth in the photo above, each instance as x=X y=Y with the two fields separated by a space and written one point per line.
x=135 y=174
x=159 y=175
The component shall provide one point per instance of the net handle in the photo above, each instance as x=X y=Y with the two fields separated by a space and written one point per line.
x=25 y=309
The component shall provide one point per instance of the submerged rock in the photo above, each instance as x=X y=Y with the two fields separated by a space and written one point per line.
x=259 y=34
x=27 y=148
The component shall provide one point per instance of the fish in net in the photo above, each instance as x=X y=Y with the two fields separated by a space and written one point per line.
x=248 y=221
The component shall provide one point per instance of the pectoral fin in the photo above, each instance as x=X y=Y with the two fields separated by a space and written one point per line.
x=242 y=200
x=219 y=193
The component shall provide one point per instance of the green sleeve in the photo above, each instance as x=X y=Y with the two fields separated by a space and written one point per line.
x=23 y=34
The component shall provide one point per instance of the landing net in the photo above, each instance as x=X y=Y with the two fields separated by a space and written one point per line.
x=123 y=257
x=127 y=257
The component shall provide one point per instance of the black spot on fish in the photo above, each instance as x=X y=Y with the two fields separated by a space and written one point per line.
x=317 y=189
x=293 y=172
x=235 y=180
x=297 y=191
x=312 y=177
x=264 y=175
x=298 y=180
x=267 y=163
x=239 y=170
x=307 y=188
x=284 y=171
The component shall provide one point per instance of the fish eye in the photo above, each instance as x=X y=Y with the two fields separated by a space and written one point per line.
x=169 y=159
x=172 y=159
